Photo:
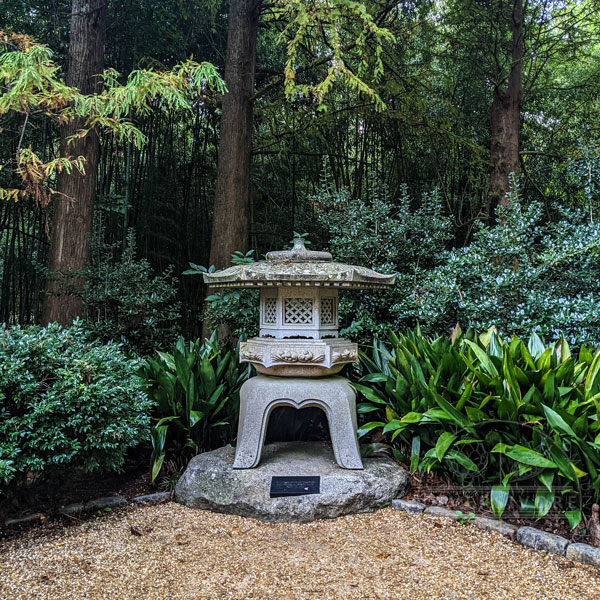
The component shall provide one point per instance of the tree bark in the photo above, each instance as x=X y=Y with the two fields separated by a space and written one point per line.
x=231 y=216
x=505 y=119
x=73 y=208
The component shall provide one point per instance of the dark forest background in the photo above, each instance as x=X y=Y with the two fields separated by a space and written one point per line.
x=475 y=100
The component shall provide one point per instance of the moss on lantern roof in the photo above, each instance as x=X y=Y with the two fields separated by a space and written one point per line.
x=298 y=266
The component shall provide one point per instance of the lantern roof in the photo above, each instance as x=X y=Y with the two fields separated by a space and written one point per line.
x=301 y=267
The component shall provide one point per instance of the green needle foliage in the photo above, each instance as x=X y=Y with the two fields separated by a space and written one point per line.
x=346 y=37
x=490 y=411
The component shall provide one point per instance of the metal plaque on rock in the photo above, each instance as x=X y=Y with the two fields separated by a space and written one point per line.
x=295 y=485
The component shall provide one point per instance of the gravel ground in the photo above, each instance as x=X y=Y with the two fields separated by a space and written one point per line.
x=169 y=552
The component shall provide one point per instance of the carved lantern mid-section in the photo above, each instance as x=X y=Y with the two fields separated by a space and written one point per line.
x=292 y=312
x=298 y=310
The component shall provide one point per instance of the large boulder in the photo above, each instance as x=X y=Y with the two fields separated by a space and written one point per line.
x=211 y=483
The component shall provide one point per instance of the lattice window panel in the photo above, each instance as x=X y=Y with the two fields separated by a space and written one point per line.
x=270 y=315
x=327 y=311
x=298 y=311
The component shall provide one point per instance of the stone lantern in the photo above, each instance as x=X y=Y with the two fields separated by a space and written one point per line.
x=298 y=350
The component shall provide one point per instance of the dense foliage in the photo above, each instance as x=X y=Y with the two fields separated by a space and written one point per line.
x=196 y=389
x=125 y=301
x=397 y=101
x=388 y=234
x=236 y=308
x=524 y=275
x=491 y=411
x=66 y=401
x=421 y=130
x=32 y=87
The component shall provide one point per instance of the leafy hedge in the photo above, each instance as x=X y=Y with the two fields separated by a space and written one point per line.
x=520 y=418
x=533 y=272
x=126 y=301
x=66 y=401
x=525 y=275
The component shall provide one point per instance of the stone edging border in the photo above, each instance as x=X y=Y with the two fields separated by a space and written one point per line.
x=527 y=536
x=73 y=510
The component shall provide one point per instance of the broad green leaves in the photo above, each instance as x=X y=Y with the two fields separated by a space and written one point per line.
x=499 y=498
x=488 y=410
x=524 y=455
x=196 y=388
x=443 y=443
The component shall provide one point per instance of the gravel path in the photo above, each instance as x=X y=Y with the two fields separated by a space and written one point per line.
x=169 y=552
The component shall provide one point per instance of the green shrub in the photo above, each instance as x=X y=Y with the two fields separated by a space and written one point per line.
x=389 y=233
x=66 y=401
x=383 y=233
x=125 y=301
x=525 y=275
x=491 y=411
x=196 y=389
x=236 y=308
x=533 y=272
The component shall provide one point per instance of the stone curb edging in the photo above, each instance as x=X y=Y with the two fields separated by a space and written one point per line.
x=526 y=536
x=72 y=510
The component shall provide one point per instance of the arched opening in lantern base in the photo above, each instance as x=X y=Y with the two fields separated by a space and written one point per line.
x=289 y=424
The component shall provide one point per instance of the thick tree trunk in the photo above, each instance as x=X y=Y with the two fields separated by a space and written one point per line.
x=505 y=119
x=73 y=209
x=231 y=217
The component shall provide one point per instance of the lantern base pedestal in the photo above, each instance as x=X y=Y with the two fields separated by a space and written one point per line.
x=210 y=482
x=260 y=395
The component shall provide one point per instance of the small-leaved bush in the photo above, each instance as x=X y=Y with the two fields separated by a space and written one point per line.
x=521 y=418
x=532 y=272
x=525 y=275
x=381 y=231
x=65 y=402
x=127 y=302
x=386 y=234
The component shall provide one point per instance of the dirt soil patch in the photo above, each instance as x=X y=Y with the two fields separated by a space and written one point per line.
x=78 y=485
x=434 y=490
x=167 y=551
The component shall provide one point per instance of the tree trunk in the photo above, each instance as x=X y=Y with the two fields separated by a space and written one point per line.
x=231 y=217
x=505 y=119
x=73 y=209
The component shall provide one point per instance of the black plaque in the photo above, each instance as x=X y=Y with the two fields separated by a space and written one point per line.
x=295 y=486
